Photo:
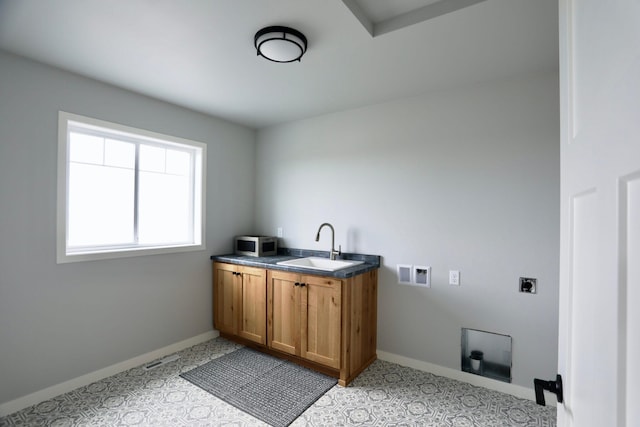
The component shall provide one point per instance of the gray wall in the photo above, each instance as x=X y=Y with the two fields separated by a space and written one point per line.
x=58 y=322
x=466 y=179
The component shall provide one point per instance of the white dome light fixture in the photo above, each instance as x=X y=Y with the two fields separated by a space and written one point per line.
x=280 y=44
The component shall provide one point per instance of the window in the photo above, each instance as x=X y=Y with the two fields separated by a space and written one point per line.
x=125 y=192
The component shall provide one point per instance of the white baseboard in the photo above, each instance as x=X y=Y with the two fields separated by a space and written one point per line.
x=58 y=389
x=477 y=380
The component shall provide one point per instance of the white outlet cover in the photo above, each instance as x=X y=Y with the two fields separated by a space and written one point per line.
x=422 y=276
x=404 y=274
x=454 y=277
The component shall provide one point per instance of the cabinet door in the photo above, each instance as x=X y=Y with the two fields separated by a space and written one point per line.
x=253 y=305
x=320 y=318
x=283 y=320
x=226 y=287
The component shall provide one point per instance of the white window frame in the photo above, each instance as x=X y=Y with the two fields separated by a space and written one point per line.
x=66 y=121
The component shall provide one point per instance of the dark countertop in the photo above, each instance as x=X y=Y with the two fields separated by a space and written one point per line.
x=371 y=262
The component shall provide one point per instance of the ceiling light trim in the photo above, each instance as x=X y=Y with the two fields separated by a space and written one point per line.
x=406 y=19
x=422 y=14
x=360 y=15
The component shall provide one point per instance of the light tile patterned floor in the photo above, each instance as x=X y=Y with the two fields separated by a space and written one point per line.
x=385 y=394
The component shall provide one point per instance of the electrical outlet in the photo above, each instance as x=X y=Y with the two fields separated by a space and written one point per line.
x=280 y=232
x=454 y=277
x=527 y=285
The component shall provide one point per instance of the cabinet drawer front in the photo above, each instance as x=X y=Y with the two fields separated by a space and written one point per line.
x=218 y=266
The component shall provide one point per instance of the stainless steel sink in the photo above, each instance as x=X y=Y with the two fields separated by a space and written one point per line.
x=317 y=263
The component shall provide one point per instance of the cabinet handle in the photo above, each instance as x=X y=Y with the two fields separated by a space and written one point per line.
x=296 y=284
x=303 y=284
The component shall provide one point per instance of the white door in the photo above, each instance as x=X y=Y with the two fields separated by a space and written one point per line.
x=599 y=335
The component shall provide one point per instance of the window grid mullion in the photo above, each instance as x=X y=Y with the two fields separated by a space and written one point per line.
x=136 y=193
x=192 y=189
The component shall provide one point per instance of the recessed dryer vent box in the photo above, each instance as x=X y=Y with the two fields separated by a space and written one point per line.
x=422 y=276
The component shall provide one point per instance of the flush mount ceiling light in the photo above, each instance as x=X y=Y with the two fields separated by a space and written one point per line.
x=280 y=44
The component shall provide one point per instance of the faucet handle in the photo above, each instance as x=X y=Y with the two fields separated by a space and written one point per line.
x=333 y=253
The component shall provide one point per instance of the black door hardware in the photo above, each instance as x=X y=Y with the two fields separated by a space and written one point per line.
x=552 y=386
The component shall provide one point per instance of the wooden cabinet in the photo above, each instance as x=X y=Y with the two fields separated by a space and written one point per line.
x=325 y=323
x=239 y=297
x=304 y=315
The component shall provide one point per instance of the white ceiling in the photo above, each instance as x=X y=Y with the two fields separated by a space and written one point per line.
x=199 y=53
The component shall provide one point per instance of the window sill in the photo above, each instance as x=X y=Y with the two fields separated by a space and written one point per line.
x=64 y=258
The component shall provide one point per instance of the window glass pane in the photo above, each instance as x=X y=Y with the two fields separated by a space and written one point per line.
x=152 y=159
x=164 y=209
x=119 y=153
x=178 y=162
x=100 y=210
x=86 y=148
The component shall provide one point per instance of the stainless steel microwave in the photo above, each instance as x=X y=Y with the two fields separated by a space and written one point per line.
x=256 y=245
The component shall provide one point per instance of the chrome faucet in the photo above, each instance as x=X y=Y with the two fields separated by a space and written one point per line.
x=332 y=252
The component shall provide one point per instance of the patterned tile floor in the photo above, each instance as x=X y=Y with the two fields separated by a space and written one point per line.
x=385 y=394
